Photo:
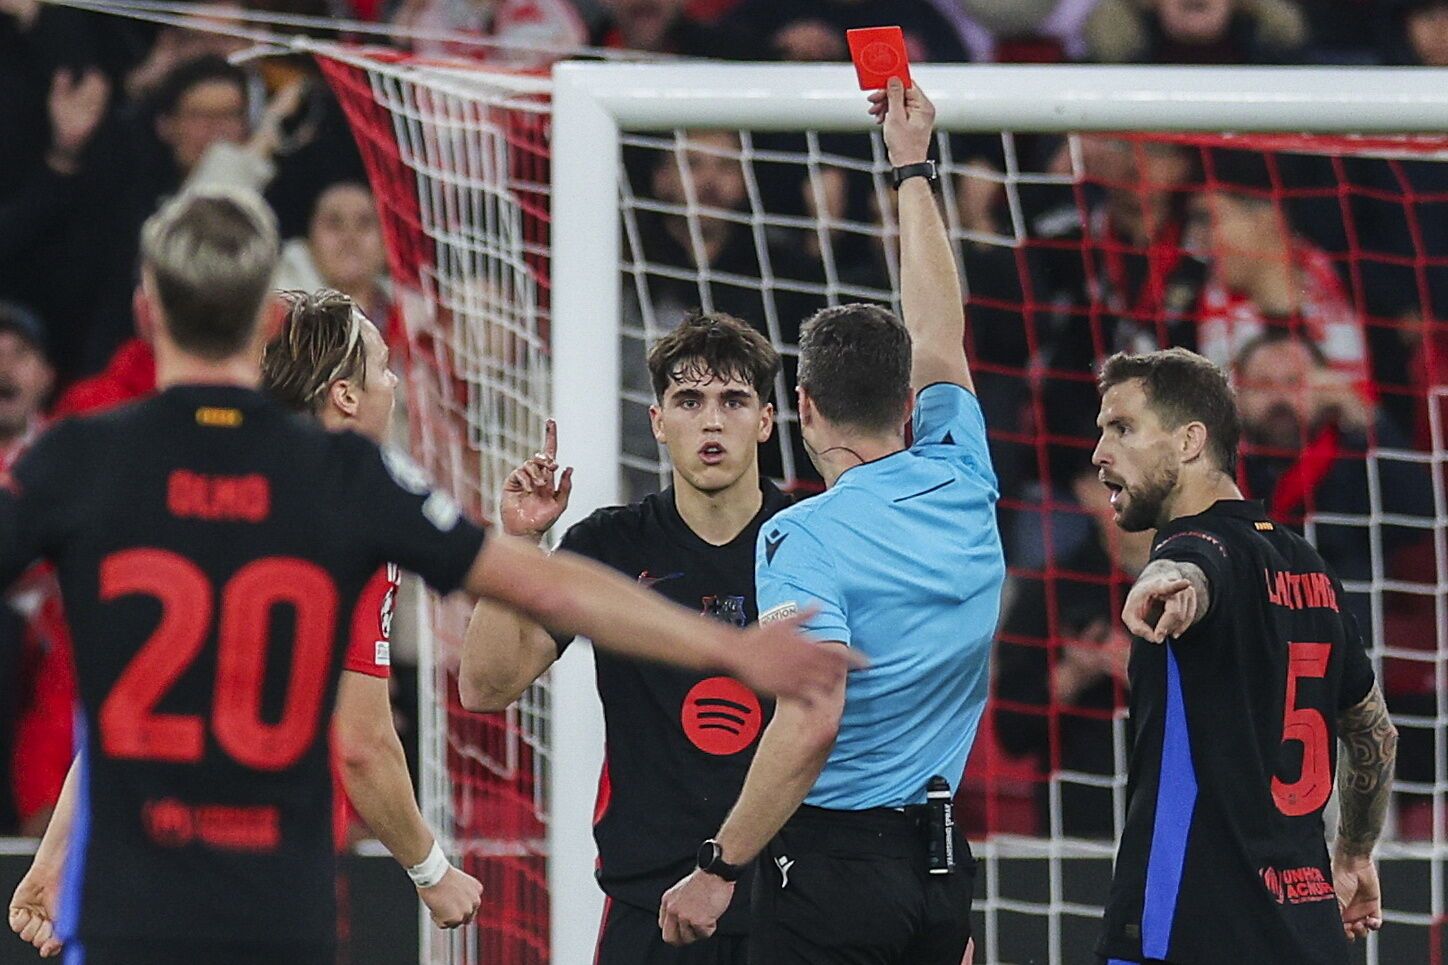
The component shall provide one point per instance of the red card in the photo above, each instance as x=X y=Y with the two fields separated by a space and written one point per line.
x=879 y=54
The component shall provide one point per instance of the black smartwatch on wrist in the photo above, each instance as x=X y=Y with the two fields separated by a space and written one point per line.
x=925 y=169
x=711 y=861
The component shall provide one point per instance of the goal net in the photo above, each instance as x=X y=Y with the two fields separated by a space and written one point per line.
x=551 y=230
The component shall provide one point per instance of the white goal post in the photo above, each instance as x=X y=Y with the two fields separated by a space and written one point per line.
x=594 y=102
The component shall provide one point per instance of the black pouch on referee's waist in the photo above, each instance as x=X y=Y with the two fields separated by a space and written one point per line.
x=935 y=820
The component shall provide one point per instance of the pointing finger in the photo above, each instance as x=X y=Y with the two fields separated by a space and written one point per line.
x=550 y=439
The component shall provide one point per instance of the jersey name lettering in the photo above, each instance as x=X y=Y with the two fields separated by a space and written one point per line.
x=1300 y=591
x=242 y=499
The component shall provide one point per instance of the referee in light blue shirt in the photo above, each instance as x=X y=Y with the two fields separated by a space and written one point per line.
x=901 y=560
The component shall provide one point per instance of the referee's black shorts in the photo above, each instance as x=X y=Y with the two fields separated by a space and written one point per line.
x=851 y=888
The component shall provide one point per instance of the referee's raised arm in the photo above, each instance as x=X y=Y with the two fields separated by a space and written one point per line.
x=930 y=297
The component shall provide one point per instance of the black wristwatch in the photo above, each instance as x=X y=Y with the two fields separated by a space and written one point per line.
x=925 y=169
x=711 y=860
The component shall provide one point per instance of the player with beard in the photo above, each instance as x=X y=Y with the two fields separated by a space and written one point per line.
x=1246 y=671
x=678 y=743
x=211 y=548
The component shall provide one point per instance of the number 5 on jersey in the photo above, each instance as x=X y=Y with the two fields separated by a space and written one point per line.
x=130 y=725
x=1306 y=726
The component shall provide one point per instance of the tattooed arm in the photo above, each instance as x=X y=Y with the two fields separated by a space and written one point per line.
x=1167 y=599
x=1364 y=780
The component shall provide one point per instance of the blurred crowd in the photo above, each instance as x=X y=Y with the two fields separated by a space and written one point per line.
x=1318 y=279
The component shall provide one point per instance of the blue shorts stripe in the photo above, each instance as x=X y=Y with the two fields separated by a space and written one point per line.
x=1176 y=798
x=72 y=883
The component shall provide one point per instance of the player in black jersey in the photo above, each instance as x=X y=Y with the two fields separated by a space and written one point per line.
x=1245 y=672
x=329 y=362
x=208 y=545
x=678 y=742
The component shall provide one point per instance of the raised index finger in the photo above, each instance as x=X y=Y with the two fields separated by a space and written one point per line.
x=550 y=439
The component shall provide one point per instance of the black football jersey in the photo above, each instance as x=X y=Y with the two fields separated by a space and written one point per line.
x=1223 y=857
x=678 y=743
x=211 y=548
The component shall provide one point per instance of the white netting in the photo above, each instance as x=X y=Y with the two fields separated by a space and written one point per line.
x=1072 y=248
x=459 y=165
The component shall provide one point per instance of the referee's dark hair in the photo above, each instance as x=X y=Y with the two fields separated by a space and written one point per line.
x=1182 y=387
x=854 y=361
x=713 y=345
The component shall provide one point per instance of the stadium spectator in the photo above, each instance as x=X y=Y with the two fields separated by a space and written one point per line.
x=1417 y=33
x=1346 y=31
x=1020 y=31
x=517 y=33
x=1307 y=433
x=178 y=44
x=667 y=27
x=34 y=634
x=1139 y=285
x=1263 y=274
x=810 y=31
x=1195 y=32
x=1061 y=661
x=343 y=250
x=26 y=378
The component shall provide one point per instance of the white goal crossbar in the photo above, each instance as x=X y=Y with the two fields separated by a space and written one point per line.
x=594 y=102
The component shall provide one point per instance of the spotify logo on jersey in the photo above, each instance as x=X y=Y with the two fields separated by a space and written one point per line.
x=722 y=716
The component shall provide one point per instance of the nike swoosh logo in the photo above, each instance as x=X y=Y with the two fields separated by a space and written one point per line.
x=772 y=543
x=649 y=582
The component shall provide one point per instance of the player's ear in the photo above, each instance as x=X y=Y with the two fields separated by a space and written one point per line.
x=1193 y=441
x=656 y=422
x=909 y=407
x=343 y=397
x=766 y=421
x=804 y=406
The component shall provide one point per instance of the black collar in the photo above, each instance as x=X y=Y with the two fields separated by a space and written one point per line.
x=674 y=524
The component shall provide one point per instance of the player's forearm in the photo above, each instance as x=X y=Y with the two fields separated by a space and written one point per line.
x=930 y=296
x=503 y=654
x=570 y=594
x=53 y=844
x=791 y=754
x=1365 y=774
x=379 y=787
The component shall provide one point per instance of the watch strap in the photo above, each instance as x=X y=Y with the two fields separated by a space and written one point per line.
x=924 y=169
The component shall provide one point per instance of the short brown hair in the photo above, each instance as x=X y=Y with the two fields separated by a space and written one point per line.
x=211 y=253
x=713 y=345
x=1182 y=387
x=854 y=361
x=320 y=343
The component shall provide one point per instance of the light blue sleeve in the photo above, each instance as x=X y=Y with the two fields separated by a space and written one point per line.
x=948 y=424
x=792 y=572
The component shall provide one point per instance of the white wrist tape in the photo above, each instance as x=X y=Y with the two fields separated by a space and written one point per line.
x=431 y=869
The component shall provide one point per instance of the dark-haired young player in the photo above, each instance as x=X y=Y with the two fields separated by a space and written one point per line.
x=1246 y=672
x=211 y=548
x=331 y=363
x=678 y=742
